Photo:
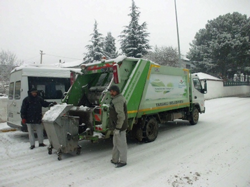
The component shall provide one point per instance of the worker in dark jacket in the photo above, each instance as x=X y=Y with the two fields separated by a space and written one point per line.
x=118 y=123
x=31 y=114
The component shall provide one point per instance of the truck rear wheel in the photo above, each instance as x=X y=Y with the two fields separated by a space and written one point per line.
x=150 y=130
x=194 y=117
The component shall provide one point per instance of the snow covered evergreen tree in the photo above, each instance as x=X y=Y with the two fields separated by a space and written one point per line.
x=164 y=56
x=109 y=46
x=223 y=45
x=95 y=49
x=134 y=42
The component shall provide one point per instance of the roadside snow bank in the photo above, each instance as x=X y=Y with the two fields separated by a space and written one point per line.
x=3 y=109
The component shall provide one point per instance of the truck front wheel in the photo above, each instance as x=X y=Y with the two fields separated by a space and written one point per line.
x=150 y=130
x=194 y=116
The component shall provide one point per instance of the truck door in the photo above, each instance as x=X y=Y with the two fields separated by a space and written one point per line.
x=198 y=96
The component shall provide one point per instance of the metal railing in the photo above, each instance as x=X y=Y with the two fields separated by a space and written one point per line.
x=232 y=83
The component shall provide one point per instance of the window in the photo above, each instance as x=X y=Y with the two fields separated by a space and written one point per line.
x=197 y=84
x=11 y=90
x=17 y=89
x=49 y=87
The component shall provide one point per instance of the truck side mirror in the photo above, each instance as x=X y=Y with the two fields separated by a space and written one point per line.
x=205 y=87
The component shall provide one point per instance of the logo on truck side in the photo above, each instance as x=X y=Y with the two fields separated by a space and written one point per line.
x=166 y=87
x=159 y=86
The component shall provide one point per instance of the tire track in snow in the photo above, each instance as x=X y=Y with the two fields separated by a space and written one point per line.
x=45 y=161
x=177 y=157
x=97 y=181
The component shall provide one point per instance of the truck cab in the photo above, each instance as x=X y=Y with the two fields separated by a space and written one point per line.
x=198 y=92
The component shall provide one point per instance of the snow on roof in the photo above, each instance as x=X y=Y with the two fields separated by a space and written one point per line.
x=76 y=63
x=79 y=62
x=34 y=66
x=118 y=59
x=45 y=70
x=203 y=76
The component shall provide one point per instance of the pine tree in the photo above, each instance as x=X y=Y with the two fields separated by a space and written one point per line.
x=109 y=46
x=223 y=45
x=95 y=50
x=134 y=42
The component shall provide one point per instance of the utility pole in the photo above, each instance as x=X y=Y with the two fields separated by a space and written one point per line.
x=41 y=53
x=179 y=50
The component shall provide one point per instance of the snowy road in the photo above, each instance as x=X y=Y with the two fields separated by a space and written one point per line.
x=214 y=153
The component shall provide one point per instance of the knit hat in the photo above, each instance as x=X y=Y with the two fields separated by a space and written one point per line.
x=115 y=88
x=33 y=90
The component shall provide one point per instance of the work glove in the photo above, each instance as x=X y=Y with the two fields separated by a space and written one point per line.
x=52 y=104
x=23 y=121
x=116 y=132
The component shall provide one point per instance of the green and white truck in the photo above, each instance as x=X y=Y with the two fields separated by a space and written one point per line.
x=155 y=94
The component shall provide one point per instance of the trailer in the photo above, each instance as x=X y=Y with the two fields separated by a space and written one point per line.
x=155 y=94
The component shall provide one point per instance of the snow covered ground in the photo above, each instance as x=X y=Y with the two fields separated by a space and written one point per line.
x=214 y=153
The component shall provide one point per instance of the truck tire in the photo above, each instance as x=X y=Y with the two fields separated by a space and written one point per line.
x=194 y=116
x=150 y=131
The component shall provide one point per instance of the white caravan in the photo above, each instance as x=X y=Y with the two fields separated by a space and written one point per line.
x=51 y=83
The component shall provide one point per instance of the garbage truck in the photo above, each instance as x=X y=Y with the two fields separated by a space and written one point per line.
x=155 y=94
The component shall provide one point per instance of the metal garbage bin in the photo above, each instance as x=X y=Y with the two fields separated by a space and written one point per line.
x=62 y=130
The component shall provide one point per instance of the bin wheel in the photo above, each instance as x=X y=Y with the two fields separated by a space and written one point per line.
x=59 y=154
x=78 y=150
x=49 y=151
x=59 y=158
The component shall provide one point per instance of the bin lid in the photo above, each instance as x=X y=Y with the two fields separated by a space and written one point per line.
x=56 y=111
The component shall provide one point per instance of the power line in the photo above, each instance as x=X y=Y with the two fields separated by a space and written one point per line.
x=31 y=58
x=51 y=55
x=63 y=56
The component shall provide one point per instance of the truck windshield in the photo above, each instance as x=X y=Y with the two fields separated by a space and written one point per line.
x=49 y=87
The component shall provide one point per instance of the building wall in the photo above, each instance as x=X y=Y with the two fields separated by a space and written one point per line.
x=215 y=89
x=236 y=90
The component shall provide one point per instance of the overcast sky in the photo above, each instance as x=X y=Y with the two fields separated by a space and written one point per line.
x=62 y=28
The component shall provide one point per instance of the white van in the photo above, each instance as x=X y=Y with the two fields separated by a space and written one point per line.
x=51 y=83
